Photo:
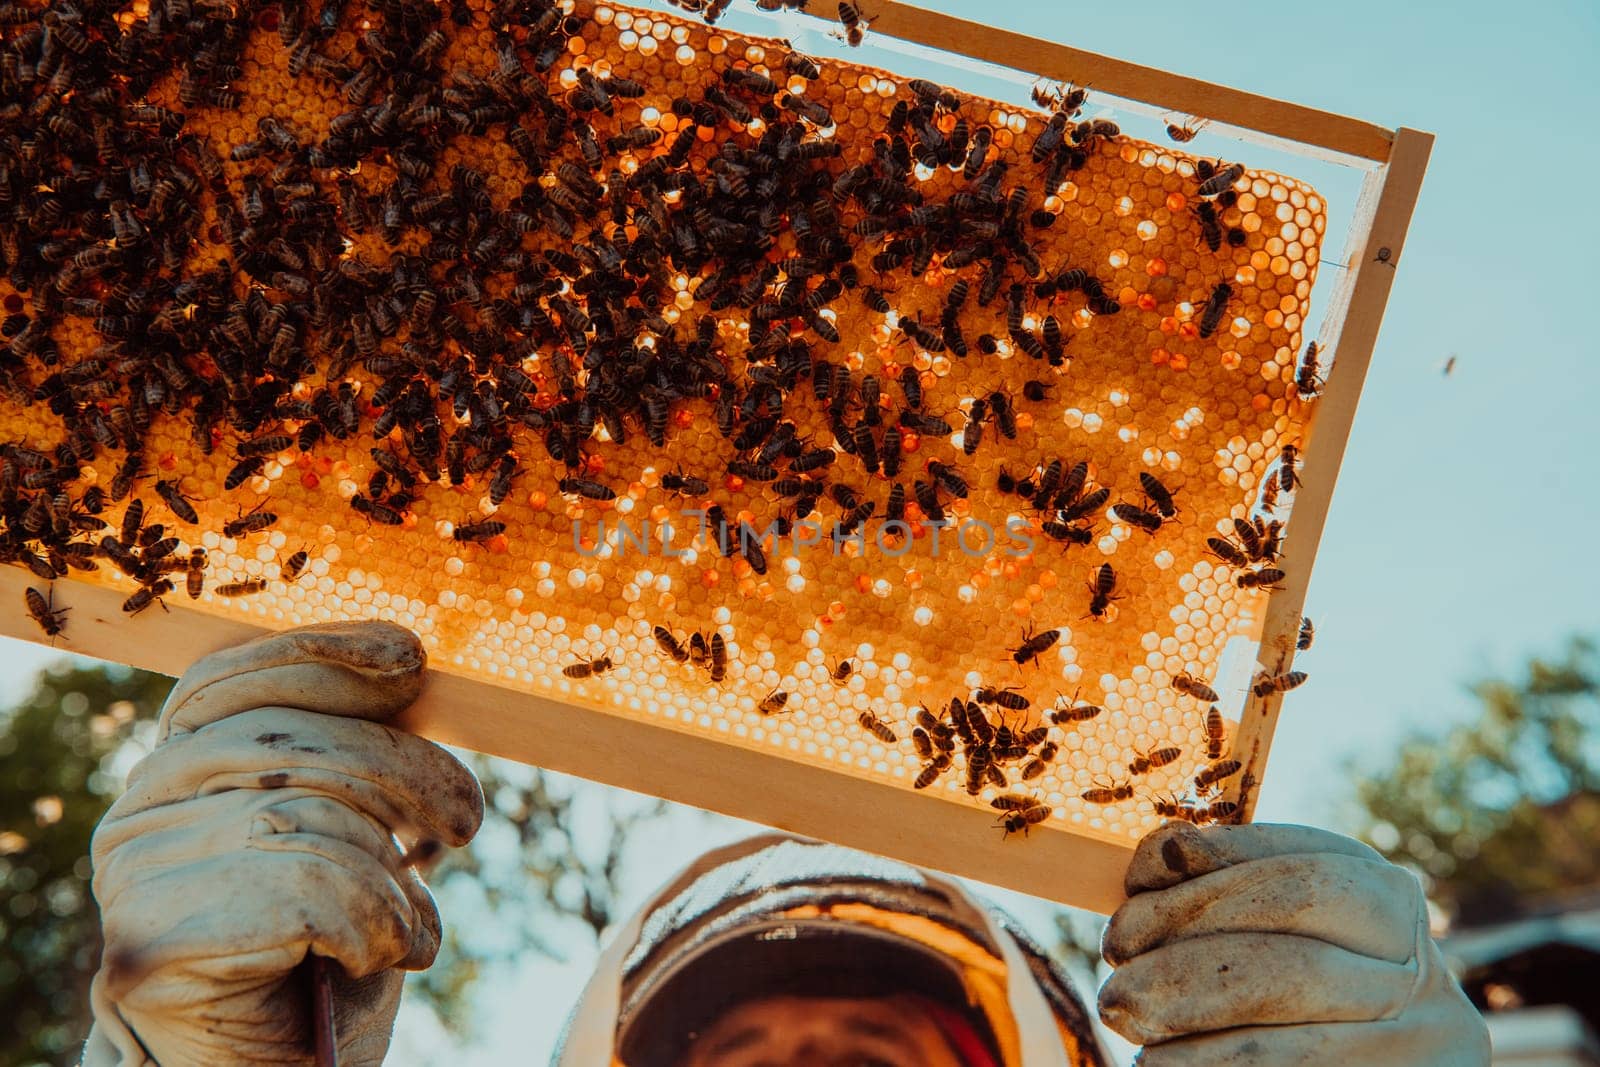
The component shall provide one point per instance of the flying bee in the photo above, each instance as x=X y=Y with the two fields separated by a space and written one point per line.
x=850 y=21
x=1145 y=762
x=1306 y=380
x=1216 y=772
x=249 y=522
x=1105 y=582
x=1034 y=645
x=1021 y=820
x=683 y=484
x=1137 y=517
x=1073 y=712
x=1112 y=794
x=194 y=576
x=1288 y=460
x=247 y=587
x=588 y=668
x=876 y=727
x=1192 y=686
x=719 y=657
x=1260 y=578
x=1185 y=133
x=477 y=532
x=842 y=670
x=1308 y=634
x=1278 y=683
x=147 y=595
x=1216 y=733
x=172 y=495
x=1216 y=304
x=50 y=618
x=668 y=642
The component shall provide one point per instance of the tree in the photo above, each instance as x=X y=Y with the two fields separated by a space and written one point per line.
x=64 y=752
x=1507 y=806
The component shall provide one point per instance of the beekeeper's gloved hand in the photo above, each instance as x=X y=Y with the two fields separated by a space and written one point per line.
x=262 y=828
x=1278 y=945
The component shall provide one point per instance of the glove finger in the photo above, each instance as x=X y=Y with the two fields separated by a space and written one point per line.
x=406 y=783
x=1179 y=851
x=242 y=928
x=1367 y=907
x=1403 y=1042
x=369 y=670
x=1229 y=980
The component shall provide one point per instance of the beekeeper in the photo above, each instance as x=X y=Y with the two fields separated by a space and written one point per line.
x=264 y=827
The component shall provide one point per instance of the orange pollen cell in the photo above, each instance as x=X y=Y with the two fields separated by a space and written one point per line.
x=709 y=579
x=1260 y=402
x=836 y=609
x=1021 y=607
x=863 y=583
x=499 y=544
x=683 y=418
x=538 y=499
x=910 y=442
x=169 y=462
x=309 y=480
x=913 y=579
x=1047 y=579
x=1160 y=356
x=1179 y=361
x=1156 y=267
x=1176 y=201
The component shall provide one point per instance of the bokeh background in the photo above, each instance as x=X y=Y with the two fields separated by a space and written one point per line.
x=1453 y=713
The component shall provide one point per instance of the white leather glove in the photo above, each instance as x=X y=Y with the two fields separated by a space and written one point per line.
x=1276 y=945
x=262 y=828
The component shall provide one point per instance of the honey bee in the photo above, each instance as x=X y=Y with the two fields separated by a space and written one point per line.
x=1278 y=683
x=683 y=484
x=1210 y=225
x=1185 y=133
x=773 y=702
x=195 y=574
x=1073 y=712
x=1191 y=686
x=247 y=587
x=1227 y=551
x=588 y=668
x=1261 y=578
x=1220 y=810
x=719 y=657
x=147 y=595
x=1137 y=517
x=295 y=564
x=1288 y=478
x=44 y=611
x=1008 y=698
x=1216 y=304
x=1158 y=494
x=699 y=650
x=669 y=643
x=1105 y=581
x=1308 y=634
x=1012 y=802
x=1145 y=762
x=1221 y=181
x=876 y=727
x=249 y=522
x=928 y=775
x=851 y=22
x=842 y=670
x=172 y=494
x=1024 y=818
x=1034 y=645
x=1216 y=733
x=1216 y=772
x=1112 y=794
x=1306 y=380
x=1172 y=808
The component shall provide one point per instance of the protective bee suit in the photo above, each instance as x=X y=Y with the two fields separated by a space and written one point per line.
x=273 y=817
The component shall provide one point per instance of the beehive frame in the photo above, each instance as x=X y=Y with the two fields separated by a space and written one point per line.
x=812 y=800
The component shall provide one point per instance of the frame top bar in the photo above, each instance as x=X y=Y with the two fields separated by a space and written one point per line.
x=1336 y=134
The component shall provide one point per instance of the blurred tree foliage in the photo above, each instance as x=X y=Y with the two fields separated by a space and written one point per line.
x=1505 y=807
x=57 y=777
x=547 y=861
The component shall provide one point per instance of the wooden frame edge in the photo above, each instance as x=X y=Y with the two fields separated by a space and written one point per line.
x=1335 y=133
x=776 y=790
x=1377 y=240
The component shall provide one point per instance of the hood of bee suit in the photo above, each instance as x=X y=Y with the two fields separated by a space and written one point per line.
x=781 y=915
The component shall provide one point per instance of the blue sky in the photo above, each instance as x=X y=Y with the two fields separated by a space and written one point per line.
x=1463 y=530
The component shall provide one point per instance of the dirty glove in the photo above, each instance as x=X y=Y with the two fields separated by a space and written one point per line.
x=1278 y=945
x=262 y=828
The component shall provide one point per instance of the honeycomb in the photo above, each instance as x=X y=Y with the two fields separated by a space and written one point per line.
x=832 y=646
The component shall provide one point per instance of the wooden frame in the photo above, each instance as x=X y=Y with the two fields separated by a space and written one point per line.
x=819 y=802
